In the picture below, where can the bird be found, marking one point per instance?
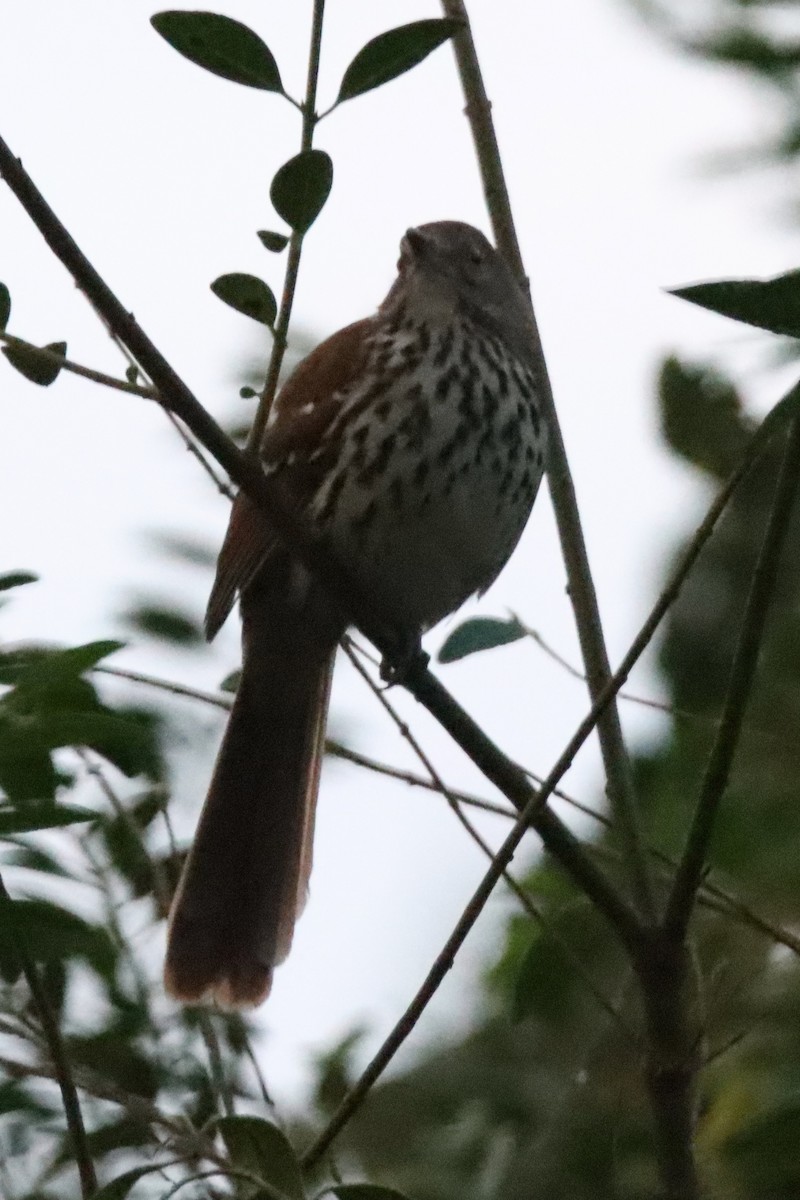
(413, 442)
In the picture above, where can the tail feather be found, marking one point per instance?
(247, 874)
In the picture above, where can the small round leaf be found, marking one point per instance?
(301, 187)
(248, 295)
(392, 53)
(39, 368)
(220, 45)
(5, 306)
(479, 633)
(273, 241)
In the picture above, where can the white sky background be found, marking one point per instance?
(161, 172)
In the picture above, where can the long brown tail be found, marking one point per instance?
(247, 874)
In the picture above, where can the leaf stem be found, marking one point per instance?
(281, 330)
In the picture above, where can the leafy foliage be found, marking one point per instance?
(301, 187)
(393, 53)
(479, 633)
(248, 295)
(220, 45)
(772, 304)
(38, 368)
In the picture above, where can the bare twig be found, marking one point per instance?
(66, 364)
(743, 671)
(455, 805)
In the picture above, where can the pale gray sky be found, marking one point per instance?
(162, 173)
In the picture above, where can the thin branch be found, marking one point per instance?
(281, 329)
(62, 1069)
(191, 445)
(66, 364)
(217, 699)
(619, 775)
(455, 805)
(572, 857)
(743, 672)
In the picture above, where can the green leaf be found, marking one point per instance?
(772, 304)
(273, 241)
(364, 1191)
(301, 187)
(247, 393)
(42, 814)
(51, 932)
(220, 45)
(248, 295)
(166, 624)
(231, 681)
(34, 366)
(263, 1150)
(118, 1189)
(5, 306)
(392, 53)
(13, 579)
(479, 633)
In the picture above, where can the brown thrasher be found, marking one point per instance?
(413, 443)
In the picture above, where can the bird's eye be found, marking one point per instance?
(476, 257)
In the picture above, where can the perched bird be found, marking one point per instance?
(413, 443)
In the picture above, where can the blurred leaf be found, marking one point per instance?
(231, 682)
(220, 45)
(263, 1150)
(772, 304)
(119, 1188)
(193, 550)
(479, 633)
(21, 854)
(166, 624)
(741, 46)
(34, 366)
(42, 815)
(702, 416)
(364, 1191)
(248, 295)
(119, 1059)
(335, 1071)
(273, 241)
(392, 53)
(5, 306)
(46, 665)
(301, 187)
(51, 932)
(13, 579)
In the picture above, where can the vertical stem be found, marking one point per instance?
(281, 329)
(619, 776)
(668, 978)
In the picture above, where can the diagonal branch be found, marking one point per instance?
(740, 683)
